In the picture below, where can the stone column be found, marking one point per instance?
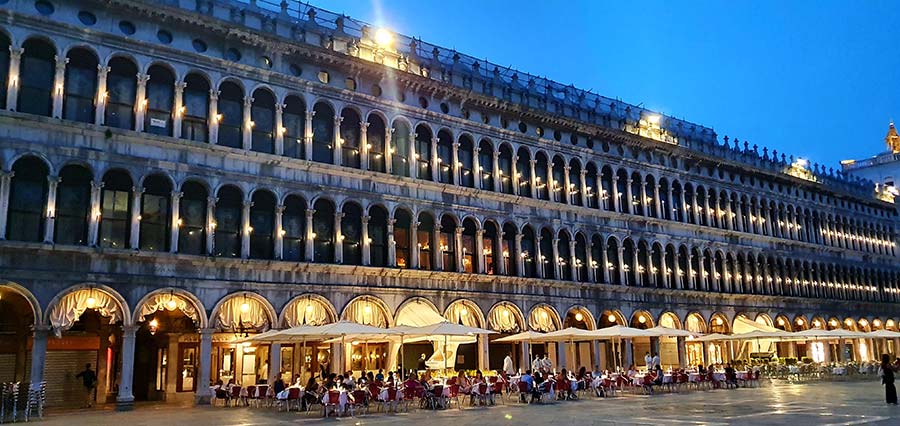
(454, 168)
(204, 367)
(639, 276)
(701, 273)
(366, 244)
(591, 266)
(38, 355)
(584, 192)
(437, 253)
(414, 244)
(178, 107)
(678, 272)
(538, 257)
(483, 356)
(247, 127)
(210, 224)
(279, 235)
(246, 230)
(388, 151)
(459, 250)
(136, 198)
(557, 268)
(604, 265)
(498, 184)
(392, 245)
(50, 210)
(476, 167)
(706, 210)
(435, 164)
(101, 95)
(695, 213)
(657, 203)
(567, 186)
(176, 221)
(59, 85)
(364, 146)
(479, 266)
(534, 190)
(520, 260)
(279, 129)
(308, 133)
(685, 213)
(93, 219)
(572, 268)
(274, 362)
(413, 162)
(338, 238)
(125, 399)
(629, 197)
(628, 353)
(310, 235)
(337, 141)
(621, 262)
(213, 116)
(12, 85)
(140, 101)
(500, 258)
(615, 195)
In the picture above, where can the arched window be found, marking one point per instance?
(523, 168)
(547, 259)
(649, 201)
(558, 189)
(121, 86)
(425, 241)
(81, 86)
(195, 115)
(73, 205)
(423, 152)
(590, 179)
(574, 189)
(606, 189)
(36, 74)
(612, 258)
(231, 115)
(629, 262)
(638, 198)
(701, 210)
(509, 253)
(375, 134)
(596, 263)
(402, 238)
(486, 165)
(350, 138)
(466, 156)
(323, 232)
(448, 243)
(262, 225)
(657, 266)
(529, 249)
(323, 134)
(262, 116)
(293, 223)
(505, 162)
(351, 234)
(489, 247)
(160, 101)
(155, 214)
(564, 261)
(621, 183)
(468, 246)
(27, 200)
(676, 207)
(400, 149)
(192, 214)
(445, 157)
(4, 67)
(115, 210)
(541, 177)
(229, 209)
(294, 122)
(580, 258)
(378, 248)
(683, 262)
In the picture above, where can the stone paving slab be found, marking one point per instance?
(847, 403)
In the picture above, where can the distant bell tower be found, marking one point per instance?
(892, 140)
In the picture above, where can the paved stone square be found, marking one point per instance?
(843, 403)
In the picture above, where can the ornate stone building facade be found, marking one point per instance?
(178, 174)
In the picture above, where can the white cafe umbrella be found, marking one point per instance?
(886, 334)
(661, 331)
(616, 333)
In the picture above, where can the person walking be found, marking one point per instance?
(508, 367)
(887, 379)
(89, 380)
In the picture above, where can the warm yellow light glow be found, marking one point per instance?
(245, 307)
(611, 318)
(154, 323)
(90, 302)
(799, 321)
(653, 119)
(780, 321)
(309, 308)
(463, 312)
(719, 321)
(579, 317)
(876, 323)
(383, 37)
(641, 319)
(171, 304)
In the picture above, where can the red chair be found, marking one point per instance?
(358, 400)
(497, 392)
(523, 391)
(374, 390)
(293, 397)
(235, 396)
(391, 399)
(436, 398)
(333, 400)
(609, 386)
(251, 393)
(480, 394)
(453, 395)
(648, 383)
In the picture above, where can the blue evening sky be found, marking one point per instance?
(817, 79)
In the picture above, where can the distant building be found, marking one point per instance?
(883, 169)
